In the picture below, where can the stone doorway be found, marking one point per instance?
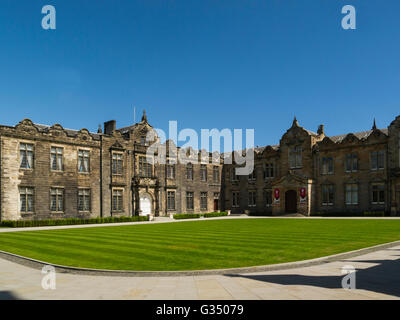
(216, 205)
(291, 201)
(145, 204)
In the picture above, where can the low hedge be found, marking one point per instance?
(71, 221)
(374, 214)
(199, 215)
(260, 214)
(187, 216)
(349, 214)
(215, 214)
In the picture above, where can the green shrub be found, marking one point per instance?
(374, 213)
(215, 214)
(187, 216)
(71, 221)
(260, 214)
(349, 214)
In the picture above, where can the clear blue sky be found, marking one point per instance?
(206, 63)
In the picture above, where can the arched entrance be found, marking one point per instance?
(291, 201)
(145, 204)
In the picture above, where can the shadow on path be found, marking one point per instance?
(8, 295)
(382, 278)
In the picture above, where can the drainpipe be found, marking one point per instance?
(101, 176)
(1, 176)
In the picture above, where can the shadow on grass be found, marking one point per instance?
(382, 278)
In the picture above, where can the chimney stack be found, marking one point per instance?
(109, 127)
(321, 129)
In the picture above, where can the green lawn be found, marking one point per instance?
(200, 244)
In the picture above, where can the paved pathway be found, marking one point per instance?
(169, 220)
(377, 277)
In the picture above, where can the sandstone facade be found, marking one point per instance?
(350, 173)
(53, 173)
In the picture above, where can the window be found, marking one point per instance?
(216, 174)
(378, 194)
(203, 201)
(378, 160)
(56, 159)
(143, 141)
(351, 163)
(189, 201)
(234, 176)
(145, 168)
(327, 194)
(268, 197)
(27, 202)
(203, 172)
(117, 200)
(253, 175)
(170, 170)
(26, 155)
(117, 163)
(83, 161)
(295, 157)
(235, 199)
(84, 200)
(252, 198)
(269, 170)
(327, 165)
(351, 193)
(171, 200)
(57, 200)
(189, 171)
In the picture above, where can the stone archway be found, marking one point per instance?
(145, 204)
(291, 201)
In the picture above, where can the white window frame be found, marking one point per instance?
(323, 189)
(83, 157)
(57, 192)
(354, 190)
(382, 185)
(58, 152)
(27, 152)
(86, 195)
(252, 200)
(26, 192)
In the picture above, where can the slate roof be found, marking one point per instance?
(69, 132)
(359, 135)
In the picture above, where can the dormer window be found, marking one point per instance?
(143, 141)
(295, 157)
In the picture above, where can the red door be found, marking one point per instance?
(216, 207)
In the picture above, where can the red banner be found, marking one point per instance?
(303, 192)
(276, 193)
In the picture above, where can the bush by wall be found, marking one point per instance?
(260, 214)
(349, 214)
(72, 221)
(187, 216)
(215, 214)
(199, 215)
(374, 213)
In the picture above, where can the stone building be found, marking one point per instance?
(54, 173)
(312, 172)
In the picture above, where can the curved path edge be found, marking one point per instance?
(37, 264)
